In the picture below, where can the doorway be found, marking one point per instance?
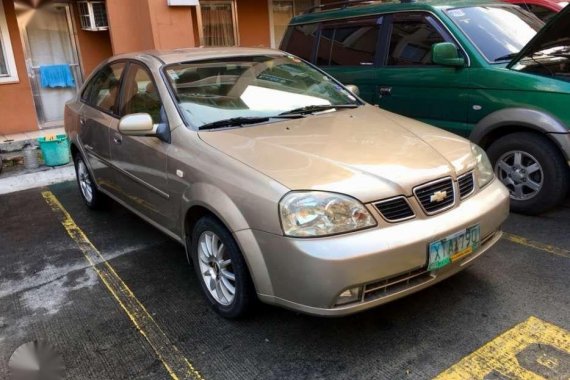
(52, 59)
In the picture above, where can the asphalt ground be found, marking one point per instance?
(136, 310)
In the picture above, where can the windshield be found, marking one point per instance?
(499, 32)
(251, 87)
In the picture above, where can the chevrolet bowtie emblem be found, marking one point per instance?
(438, 196)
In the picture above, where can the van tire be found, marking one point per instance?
(539, 162)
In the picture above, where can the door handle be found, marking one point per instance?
(117, 139)
(82, 122)
(385, 91)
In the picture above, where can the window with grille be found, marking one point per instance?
(93, 15)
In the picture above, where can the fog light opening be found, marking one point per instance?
(349, 296)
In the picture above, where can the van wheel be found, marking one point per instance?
(89, 192)
(533, 170)
(221, 269)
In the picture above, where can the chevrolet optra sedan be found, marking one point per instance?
(282, 184)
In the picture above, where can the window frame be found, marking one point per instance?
(8, 52)
(117, 100)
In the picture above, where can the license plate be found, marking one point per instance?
(453, 247)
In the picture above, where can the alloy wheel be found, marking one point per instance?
(521, 173)
(84, 181)
(216, 268)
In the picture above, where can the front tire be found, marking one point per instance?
(89, 192)
(221, 269)
(533, 170)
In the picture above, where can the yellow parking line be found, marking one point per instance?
(537, 245)
(504, 355)
(171, 358)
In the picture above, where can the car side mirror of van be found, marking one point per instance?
(353, 88)
(137, 124)
(446, 54)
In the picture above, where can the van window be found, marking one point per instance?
(412, 38)
(300, 40)
(349, 44)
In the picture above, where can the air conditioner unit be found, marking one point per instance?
(93, 15)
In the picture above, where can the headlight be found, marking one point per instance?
(316, 213)
(484, 168)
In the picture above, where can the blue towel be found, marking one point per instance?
(56, 76)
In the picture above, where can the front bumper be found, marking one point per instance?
(308, 274)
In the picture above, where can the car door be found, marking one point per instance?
(98, 115)
(409, 83)
(349, 50)
(140, 162)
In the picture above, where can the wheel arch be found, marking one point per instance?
(203, 197)
(510, 120)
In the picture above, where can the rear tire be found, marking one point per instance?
(221, 269)
(533, 170)
(92, 197)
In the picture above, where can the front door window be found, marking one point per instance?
(140, 94)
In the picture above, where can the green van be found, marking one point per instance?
(479, 69)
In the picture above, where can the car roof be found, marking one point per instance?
(385, 7)
(196, 54)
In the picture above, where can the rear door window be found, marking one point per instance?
(102, 90)
(412, 37)
(350, 43)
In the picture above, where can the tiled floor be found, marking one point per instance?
(32, 135)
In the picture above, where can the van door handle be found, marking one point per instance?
(82, 122)
(385, 91)
(117, 139)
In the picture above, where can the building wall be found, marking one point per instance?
(129, 25)
(149, 24)
(93, 47)
(253, 23)
(172, 27)
(17, 111)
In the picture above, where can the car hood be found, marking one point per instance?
(555, 33)
(366, 152)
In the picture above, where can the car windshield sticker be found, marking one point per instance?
(457, 13)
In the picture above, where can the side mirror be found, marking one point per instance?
(354, 89)
(137, 124)
(446, 54)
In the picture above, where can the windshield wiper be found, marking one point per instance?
(506, 57)
(234, 122)
(317, 108)
(240, 121)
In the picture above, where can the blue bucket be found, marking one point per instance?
(55, 151)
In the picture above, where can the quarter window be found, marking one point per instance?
(102, 90)
(411, 40)
(140, 94)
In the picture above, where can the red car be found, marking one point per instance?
(543, 9)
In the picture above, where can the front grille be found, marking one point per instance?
(466, 185)
(436, 196)
(395, 209)
(392, 285)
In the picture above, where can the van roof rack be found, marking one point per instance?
(339, 5)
